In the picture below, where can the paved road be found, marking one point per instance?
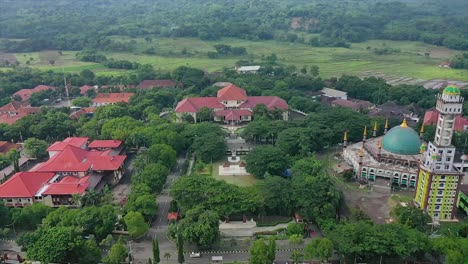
(281, 257)
(143, 250)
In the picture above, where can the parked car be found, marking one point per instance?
(195, 255)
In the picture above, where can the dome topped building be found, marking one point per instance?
(393, 157)
(402, 140)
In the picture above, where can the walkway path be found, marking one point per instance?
(143, 250)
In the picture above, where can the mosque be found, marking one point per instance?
(394, 156)
(401, 157)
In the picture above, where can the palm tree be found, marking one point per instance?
(167, 255)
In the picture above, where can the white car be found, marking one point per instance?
(195, 255)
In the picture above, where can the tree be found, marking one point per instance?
(31, 216)
(295, 229)
(82, 101)
(412, 216)
(210, 146)
(145, 204)
(205, 114)
(136, 224)
(119, 128)
(117, 254)
(167, 255)
(259, 252)
(321, 248)
(265, 159)
(180, 248)
(309, 166)
(36, 148)
(314, 70)
(296, 239)
(201, 227)
(154, 175)
(156, 251)
(47, 250)
(162, 153)
(276, 193)
(271, 250)
(296, 256)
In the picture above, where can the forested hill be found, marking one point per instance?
(31, 25)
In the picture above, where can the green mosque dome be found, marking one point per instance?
(402, 140)
(451, 90)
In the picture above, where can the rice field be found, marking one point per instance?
(172, 53)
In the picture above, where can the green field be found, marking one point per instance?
(410, 62)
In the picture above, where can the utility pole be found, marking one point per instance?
(66, 87)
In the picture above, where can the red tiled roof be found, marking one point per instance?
(6, 146)
(69, 159)
(67, 186)
(147, 84)
(24, 94)
(432, 116)
(105, 144)
(13, 106)
(112, 98)
(271, 102)
(82, 111)
(193, 105)
(74, 159)
(85, 88)
(24, 184)
(73, 141)
(29, 110)
(232, 92)
(344, 103)
(41, 88)
(11, 119)
(234, 114)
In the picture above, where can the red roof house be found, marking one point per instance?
(86, 111)
(432, 116)
(68, 185)
(148, 84)
(230, 105)
(12, 112)
(58, 146)
(24, 94)
(21, 188)
(232, 92)
(85, 88)
(105, 144)
(111, 98)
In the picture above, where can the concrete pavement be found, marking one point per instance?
(143, 250)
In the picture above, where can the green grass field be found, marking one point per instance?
(242, 181)
(410, 62)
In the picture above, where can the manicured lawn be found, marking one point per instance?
(410, 62)
(242, 181)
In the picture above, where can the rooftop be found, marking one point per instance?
(72, 141)
(24, 184)
(333, 92)
(105, 143)
(147, 84)
(110, 98)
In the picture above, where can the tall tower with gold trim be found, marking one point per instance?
(438, 180)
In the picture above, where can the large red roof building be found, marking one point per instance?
(12, 112)
(72, 169)
(231, 105)
(111, 98)
(148, 84)
(24, 94)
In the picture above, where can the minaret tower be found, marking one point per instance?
(438, 180)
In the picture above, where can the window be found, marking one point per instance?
(9, 200)
(441, 184)
(448, 159)
(442, 177)
(441, 151)
(439, 192)
(438, 200)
